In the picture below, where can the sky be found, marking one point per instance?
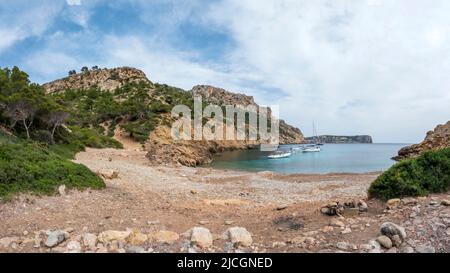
(377, 67)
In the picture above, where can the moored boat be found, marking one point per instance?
(279, 154)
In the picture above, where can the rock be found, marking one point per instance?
(445, 202)
(69, 230)
(73, 247)
(425, 249)
(201, 237)
(343, 245)
(332, 209)
(409, 201)
(137, 238)
(229, 222)
(113, 235)
(434, 203)
(346, 231)
(362, 206)
(89, 240)
(390, 229)
(135, 249)
(434, 140)
(327, 229)
(336, 223)
(56, 237)
(393, 203)
(375, 246)
(278, 244)
(108, 173)
(384, 241)
(62, 190)
(239, 236)
(407, 249)
(282, 207)
(392, 250)
(302, 241)
(396, 240)
(203, 223)
(350, 212)
(7, 241)
(164, 237)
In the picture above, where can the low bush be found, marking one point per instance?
(29, 167)
(428, 173)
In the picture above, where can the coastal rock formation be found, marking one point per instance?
(105, 79)
(341, 139)
(162, 149)
(437, 139)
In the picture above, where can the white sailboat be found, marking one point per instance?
(314, 148)
(279, 154)
(311, 149)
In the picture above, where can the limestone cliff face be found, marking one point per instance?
(162, 149)
(219, 96)
(105, 79)
(437, 139)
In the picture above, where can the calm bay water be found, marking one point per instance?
(355, 158)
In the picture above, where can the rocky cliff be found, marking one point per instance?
(160, 146)
(104, 79)
(341, 139)
(437, 139)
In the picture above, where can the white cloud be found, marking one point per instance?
(23, 20)
(352, 66)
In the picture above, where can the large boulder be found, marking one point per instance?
(201, 237)
(239, 236)
(390, 230)
(56, 237)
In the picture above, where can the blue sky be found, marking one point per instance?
(373, 67)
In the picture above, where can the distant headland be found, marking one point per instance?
(340, 139)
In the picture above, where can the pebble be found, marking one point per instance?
(407, 249)
(135, 249)
(74, 247)
(445, 202)
(343, 245)
(384, 241)
(346, 231)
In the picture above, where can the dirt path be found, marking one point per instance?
(280, 211)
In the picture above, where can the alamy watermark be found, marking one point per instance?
(242, 123)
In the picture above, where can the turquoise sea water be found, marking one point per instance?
(355, 158)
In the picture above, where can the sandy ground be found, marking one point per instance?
(275, 208)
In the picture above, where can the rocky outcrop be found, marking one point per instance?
(160, 146)
(219, 96)
(105, 79)
(341, 139)
(435, 140)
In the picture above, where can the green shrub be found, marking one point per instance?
(428, 173)
(140, 130)
(30, 167)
